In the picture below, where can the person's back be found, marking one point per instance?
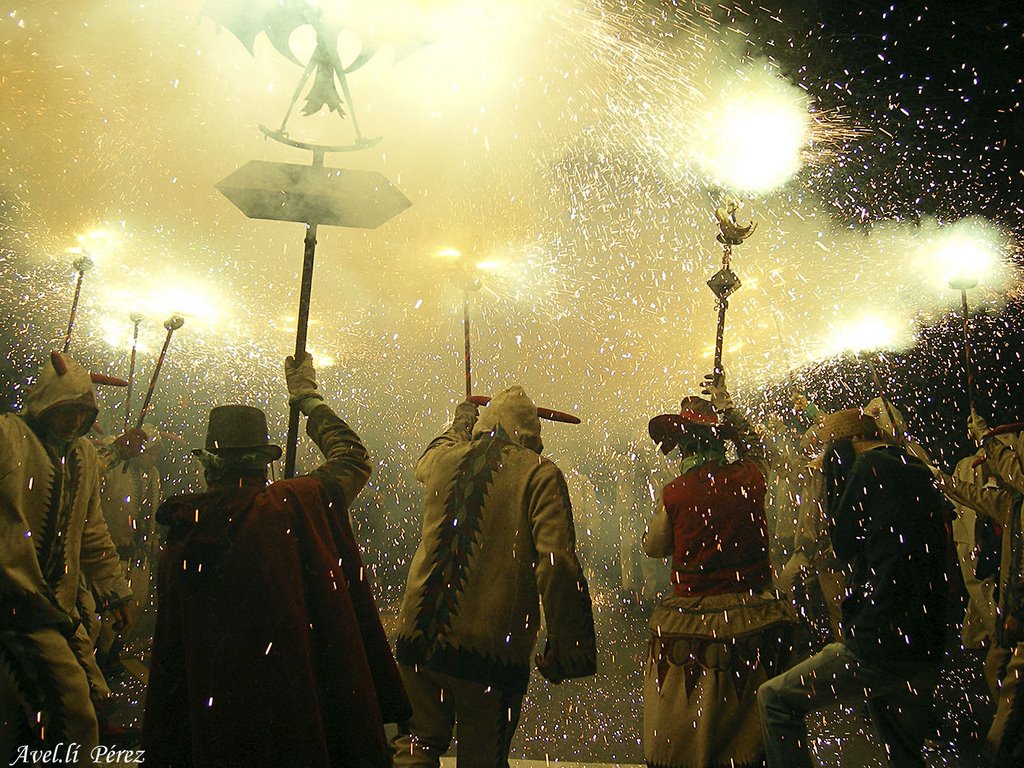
(497, 534)
(889, 525)
(886, 519)
(722, 630)
(268, 648)
(719, 531)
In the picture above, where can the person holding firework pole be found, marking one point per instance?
(724, 630)
(268, 649)
(497, 534)
(1003, 450)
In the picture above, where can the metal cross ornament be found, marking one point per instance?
(725, 282)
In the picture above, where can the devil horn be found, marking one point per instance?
(58, 362)
(102, 378)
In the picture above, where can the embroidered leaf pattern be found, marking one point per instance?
(460, 531)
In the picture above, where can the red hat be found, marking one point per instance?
(696, 416)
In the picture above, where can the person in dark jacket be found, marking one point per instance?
(886, 521)
(268, 649)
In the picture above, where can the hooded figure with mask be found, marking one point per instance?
(54, 535)
(497, 534)
(724, 630)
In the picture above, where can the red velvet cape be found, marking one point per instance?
(268, 649)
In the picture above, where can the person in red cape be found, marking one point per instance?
(269, 650)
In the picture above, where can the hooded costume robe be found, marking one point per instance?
(497, 534)
(52, 533)
(269, 650)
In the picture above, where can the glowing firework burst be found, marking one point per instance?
(160, 296)
(754, 133)
(869, 332)
(963, 255)
(100, 245)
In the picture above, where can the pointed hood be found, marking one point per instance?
(72, 386)
(516, 415)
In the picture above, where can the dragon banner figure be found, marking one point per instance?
(278, 19)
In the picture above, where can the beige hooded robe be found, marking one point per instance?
(497, 533)
(51, 527)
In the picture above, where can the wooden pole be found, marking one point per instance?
(171, 325)
(131, 372)
(82, 265)
(465, 333)
(302, 328)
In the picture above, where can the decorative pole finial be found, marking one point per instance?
(725, 282)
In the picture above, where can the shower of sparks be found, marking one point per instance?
(869, 333)
(968, 253)
(575, 148)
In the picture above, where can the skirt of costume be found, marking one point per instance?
(706, 659)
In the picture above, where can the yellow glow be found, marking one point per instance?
(449, 253)
(98, 244)
(489, 266)
(754, 132)
(963, 254)
(167, 295)
(868, 333)
(118, 334)
(320, 360)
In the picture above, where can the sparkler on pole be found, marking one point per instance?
(868, 356)
(470, 283)
(725, 282)
(862, 338)
(964, 284)
(171, 324)
(136, 319)
(961, 256)
(82, 264)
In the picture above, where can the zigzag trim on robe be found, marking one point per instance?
(458, 538)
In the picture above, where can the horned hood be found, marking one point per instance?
(516, 415)
(74, 387)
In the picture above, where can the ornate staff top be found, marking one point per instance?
(725, 282)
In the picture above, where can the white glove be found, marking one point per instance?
(714, 387)
(977, 426)
(301, 378)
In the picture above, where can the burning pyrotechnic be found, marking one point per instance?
(754, 132)
(197, 300)
(963, 255)
(97, 244)
(869, 333)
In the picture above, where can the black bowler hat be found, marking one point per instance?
(238, 428)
